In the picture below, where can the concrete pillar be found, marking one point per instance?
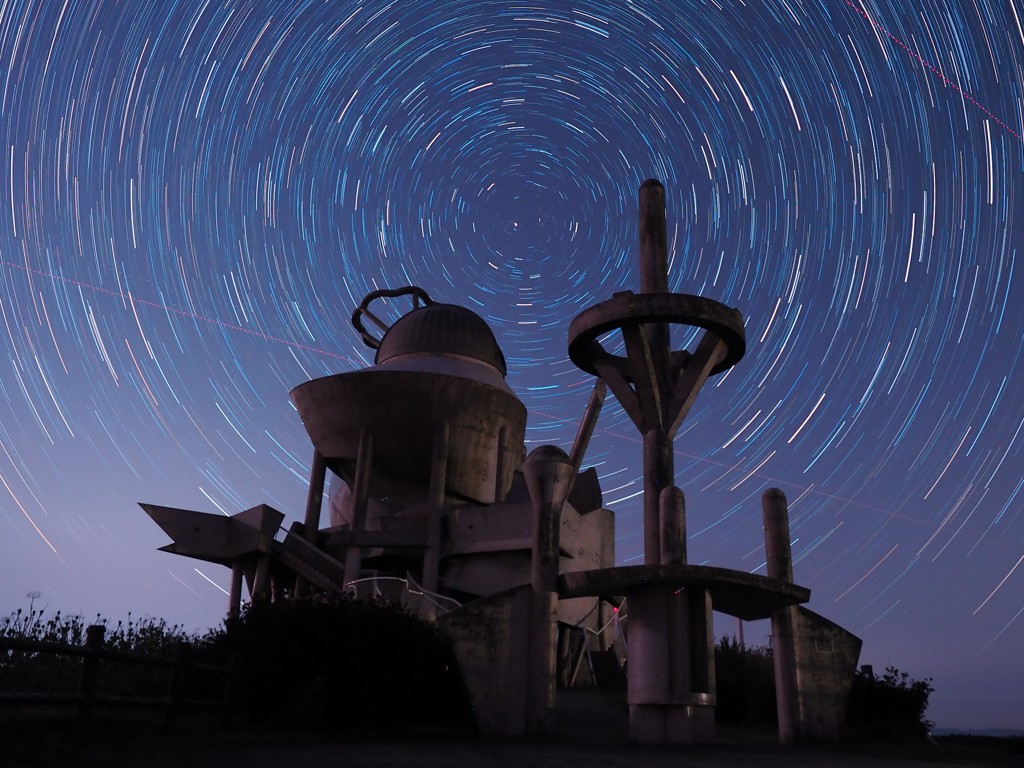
(438, 483)
(654, 275)
(360, 494)
(586, 430)
(235, 595)
(315, 498)
(659, 474)
(780, 566)
(314, 505)
(261, 581)
(548, 472)
(672, 513)
(653, 239)
(647, 679)
(776, 535)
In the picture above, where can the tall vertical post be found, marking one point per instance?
(670, 684)
(659, 470)
(779, 559)
(548, 472)
(90, 672)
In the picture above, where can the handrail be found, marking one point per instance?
(404, 592)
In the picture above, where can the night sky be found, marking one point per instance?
(195, 196)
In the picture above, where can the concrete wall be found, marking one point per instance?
(826, 660)
(490, 640)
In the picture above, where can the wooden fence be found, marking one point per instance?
(93, 653)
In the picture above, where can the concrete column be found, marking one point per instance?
(648, 676)
(673, 552)
(659, 474)
(261, 581)
(235, 595)
(653, 239)
(672, 512)
(438, 484)
(654, 275)
(548, 472)
(776, 535)
(360, 494)
(314, 504)
(586, 430)
(315, 498)
(780, 566)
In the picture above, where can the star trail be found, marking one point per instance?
(195, 196)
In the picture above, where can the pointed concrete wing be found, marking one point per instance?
(215, 538)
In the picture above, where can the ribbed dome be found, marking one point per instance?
(439, 329)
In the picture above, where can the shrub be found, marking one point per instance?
(745, 682)
(22, 671)
(345, 663)
(888, 707)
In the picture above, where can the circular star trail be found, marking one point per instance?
(196, 195)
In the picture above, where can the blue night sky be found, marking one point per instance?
(195, 195)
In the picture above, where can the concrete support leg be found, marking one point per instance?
(701, 637)
(671, 681)
(314, 505)
(647, 681)
(780, 566)
(235, 595)
(361, 494)
(261, 581)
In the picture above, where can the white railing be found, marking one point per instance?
(404, 592)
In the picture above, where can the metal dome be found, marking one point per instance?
(442, 329)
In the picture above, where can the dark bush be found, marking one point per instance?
(22, 671)
(890, 707)
(345, 663)
(745, 680)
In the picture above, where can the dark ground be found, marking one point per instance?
(586, 738)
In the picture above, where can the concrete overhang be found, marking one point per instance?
(216, 538)
(747, 596)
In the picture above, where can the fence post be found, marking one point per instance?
(90, 672)
(175, 685)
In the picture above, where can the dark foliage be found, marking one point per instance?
(147, 637)
(345, 663)
(745, 679)
(888, 707)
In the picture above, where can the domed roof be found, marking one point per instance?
(442, 329)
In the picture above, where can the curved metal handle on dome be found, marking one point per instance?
(417, 293)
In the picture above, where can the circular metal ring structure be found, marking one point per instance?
(627, 309)
(417, 293)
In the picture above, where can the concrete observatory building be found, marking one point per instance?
(435, 503)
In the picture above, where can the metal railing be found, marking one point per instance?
(404, 592)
